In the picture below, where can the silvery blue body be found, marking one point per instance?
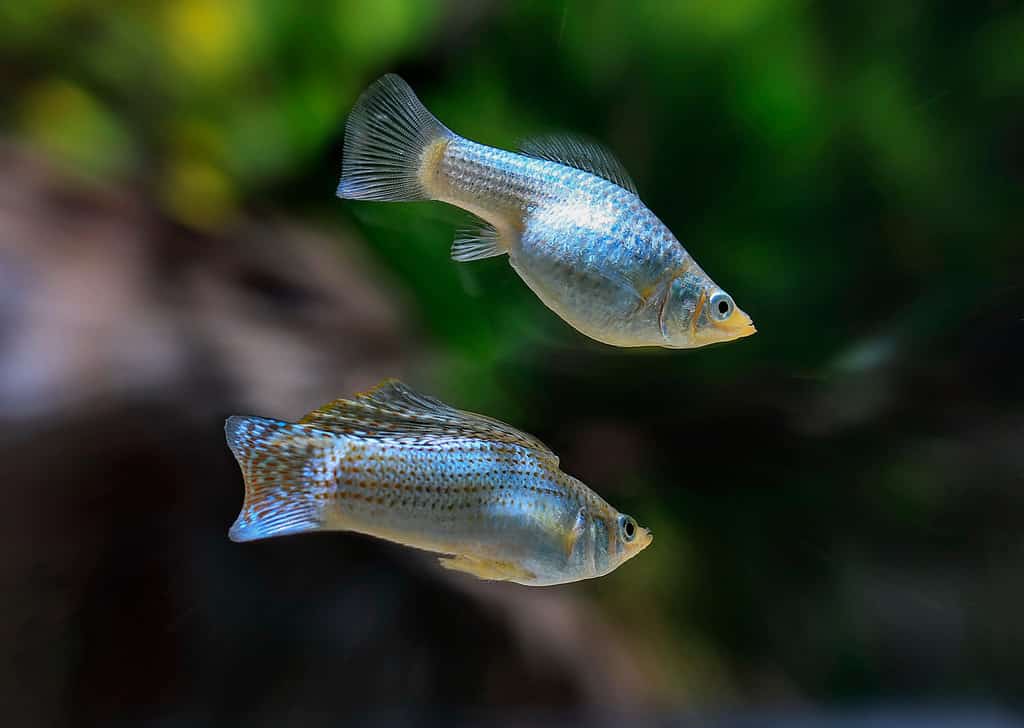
(564, 211)
(588, 248)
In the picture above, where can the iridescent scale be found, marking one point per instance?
(490, 500)
(590, 249)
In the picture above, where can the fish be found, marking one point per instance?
(563, 209)
(405, 467)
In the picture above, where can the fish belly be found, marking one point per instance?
(602, 278)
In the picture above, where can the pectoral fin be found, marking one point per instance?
(488, 569)
(577, 530)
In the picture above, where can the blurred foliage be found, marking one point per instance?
(850, 172)
(806, 153)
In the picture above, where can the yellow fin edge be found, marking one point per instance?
(487, 569)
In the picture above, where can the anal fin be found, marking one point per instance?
(487, 569)
(477, 243)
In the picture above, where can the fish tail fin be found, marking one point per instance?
(392, 144)
(280, 499)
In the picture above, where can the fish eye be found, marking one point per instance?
(628, 527)
(721, 306)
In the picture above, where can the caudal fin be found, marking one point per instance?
(391, 143)
(279, 498)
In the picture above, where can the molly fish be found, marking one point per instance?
(405, 467)
(564, 211)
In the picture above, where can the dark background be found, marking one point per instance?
(838, 500)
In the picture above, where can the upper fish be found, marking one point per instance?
(405, 467)
(565, 212)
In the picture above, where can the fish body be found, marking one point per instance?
(565, 212)
(400, 466)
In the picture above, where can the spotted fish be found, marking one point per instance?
(405, 467)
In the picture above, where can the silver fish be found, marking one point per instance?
(408, 468)
(564, 211)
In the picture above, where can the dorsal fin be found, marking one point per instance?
(585, 154)
(393, 410)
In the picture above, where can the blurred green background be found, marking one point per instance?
(838, 500)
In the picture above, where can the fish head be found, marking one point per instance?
(590, 542)
(697, 312)
(625, 539)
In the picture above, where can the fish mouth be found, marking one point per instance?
(739, 325)
(748, 330)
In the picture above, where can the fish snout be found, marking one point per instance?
(739, 324)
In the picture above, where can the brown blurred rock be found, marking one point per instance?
(103, 299)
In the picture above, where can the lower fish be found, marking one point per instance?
(408, 468)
